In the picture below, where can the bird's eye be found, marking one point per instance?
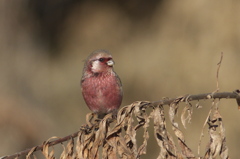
(101, 59)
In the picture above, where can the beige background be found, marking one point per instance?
(164, 49)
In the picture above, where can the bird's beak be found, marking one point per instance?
(110, 63)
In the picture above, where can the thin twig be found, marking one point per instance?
(40, 147)
(199, 97)
(219, 65)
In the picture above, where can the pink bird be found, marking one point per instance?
(101, 86)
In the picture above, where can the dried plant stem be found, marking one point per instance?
(40, 147)
(219, 65)
(235, 94)
(87, 129)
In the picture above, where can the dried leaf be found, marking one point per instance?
(164, 140)
(186, 151)
(31, 153)
(186, 114)
(45, 149)
(70, 147)
(143, 148)
(217, 145)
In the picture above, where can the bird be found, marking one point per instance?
(100, 85)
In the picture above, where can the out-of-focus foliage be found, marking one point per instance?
(161, 49)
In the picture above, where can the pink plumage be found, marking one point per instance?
(101, 86)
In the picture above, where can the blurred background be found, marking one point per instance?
(161, 49)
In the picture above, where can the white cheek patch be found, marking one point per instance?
(95, 66)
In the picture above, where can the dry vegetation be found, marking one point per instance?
(115, 137)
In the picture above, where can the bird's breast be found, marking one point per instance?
(102, 93)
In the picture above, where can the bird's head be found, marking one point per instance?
(99, 61)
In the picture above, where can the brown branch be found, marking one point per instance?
(234, 95)
(40, 147)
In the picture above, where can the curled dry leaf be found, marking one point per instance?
(186, 114)
(166, 145)
(45, 149)
(217, 144)
(30, 153)
(186, 151)
(68, 150)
